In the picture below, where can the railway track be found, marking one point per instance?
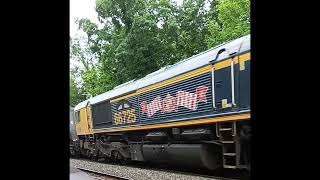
(178, 174)
(101, 175)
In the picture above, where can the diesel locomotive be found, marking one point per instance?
(195, 113)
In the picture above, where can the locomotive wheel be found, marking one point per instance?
(94, 158)
(118, 158)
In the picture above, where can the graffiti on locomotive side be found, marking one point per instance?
(127, 116)
(171, 103)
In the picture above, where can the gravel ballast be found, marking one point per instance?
(132, 173)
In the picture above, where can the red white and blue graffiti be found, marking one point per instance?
(172, 103)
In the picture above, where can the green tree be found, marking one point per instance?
(233, 21)
(75, 92)
(80, 51)
(141, 36)
(193, 28)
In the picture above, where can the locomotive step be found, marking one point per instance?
(225, 129)
(229, 154)
(230, 166)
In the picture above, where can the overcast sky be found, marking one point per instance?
(81, 9)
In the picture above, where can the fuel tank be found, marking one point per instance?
(207, 156)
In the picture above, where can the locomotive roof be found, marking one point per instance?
(168, 72)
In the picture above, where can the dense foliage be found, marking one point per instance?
(141, 36)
